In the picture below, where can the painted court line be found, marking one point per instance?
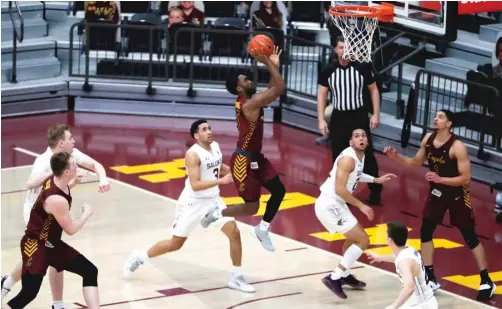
(178, 291)
(296, 242)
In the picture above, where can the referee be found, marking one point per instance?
(346, 80)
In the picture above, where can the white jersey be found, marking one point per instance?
(41, 166)
(328, 187)
(422, 292)
(210, 164)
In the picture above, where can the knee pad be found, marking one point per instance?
(83, 267)
(29, 291)
(90, 277)
(276, 188)
(470, 237)
(427, 230)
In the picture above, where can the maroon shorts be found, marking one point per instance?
(250, 174)
(459, 207)
(39, 255)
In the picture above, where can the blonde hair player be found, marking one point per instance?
(332, 211)
(59, 139)
(416, 293)
(204, 165)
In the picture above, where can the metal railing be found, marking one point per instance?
(16, 36)
(473, 123)
(190, 54)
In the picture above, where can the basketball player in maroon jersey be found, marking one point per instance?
(250, 169)
(449, 177)
(41, 245)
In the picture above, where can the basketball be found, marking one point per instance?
(261, 43)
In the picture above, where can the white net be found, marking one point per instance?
(358, 34)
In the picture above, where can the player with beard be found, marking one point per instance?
(332, 211)
(250, 169)
(449, 177)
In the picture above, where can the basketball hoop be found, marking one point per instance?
(357, 24)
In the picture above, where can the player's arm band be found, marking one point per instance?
(366, 178)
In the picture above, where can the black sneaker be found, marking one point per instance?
(353, 282)
(486, 291)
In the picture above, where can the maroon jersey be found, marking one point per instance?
(250, 133)
(43, 226)
(441, 163)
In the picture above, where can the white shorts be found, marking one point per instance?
(189, 212)
(26, 212)
(334, 215)
(431, 303)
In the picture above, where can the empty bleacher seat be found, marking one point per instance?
(139, 39)
(182, 43)
(225, 44)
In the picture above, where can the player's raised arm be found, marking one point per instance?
(192, 164)
(415, 162)
(59, 208)
(93, 165)
(277, 85)
(344, 167)
(36, 182)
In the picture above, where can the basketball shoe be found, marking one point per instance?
(238, 282)
(132, 264)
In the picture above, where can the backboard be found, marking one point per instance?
(431, 19)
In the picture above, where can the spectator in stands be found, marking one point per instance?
(108, 10)
(269, 15)
(497, 69)
(193, 12)
(176, 16)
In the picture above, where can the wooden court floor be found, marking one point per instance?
(129, 217)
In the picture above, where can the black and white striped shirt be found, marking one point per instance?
(347, 84)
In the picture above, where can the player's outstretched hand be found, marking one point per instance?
(259, 56)
(225, 180)
(87, 209)
(368, 211)
(390, 152)
(275, 57)
(384, 178)
(373, 257)
(104, 186)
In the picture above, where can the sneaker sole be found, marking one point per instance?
(237, 288)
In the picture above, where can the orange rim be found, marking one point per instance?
(384, 12)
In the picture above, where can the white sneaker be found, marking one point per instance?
(263, 237)
(133, 263)
(238, 282)
(434, 285)
(5, 291)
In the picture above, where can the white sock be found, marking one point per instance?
(337, 274)
(143, 256)
(58, 304)
(236, 270)
(351, 256)
(9, 283)
(264, 226)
